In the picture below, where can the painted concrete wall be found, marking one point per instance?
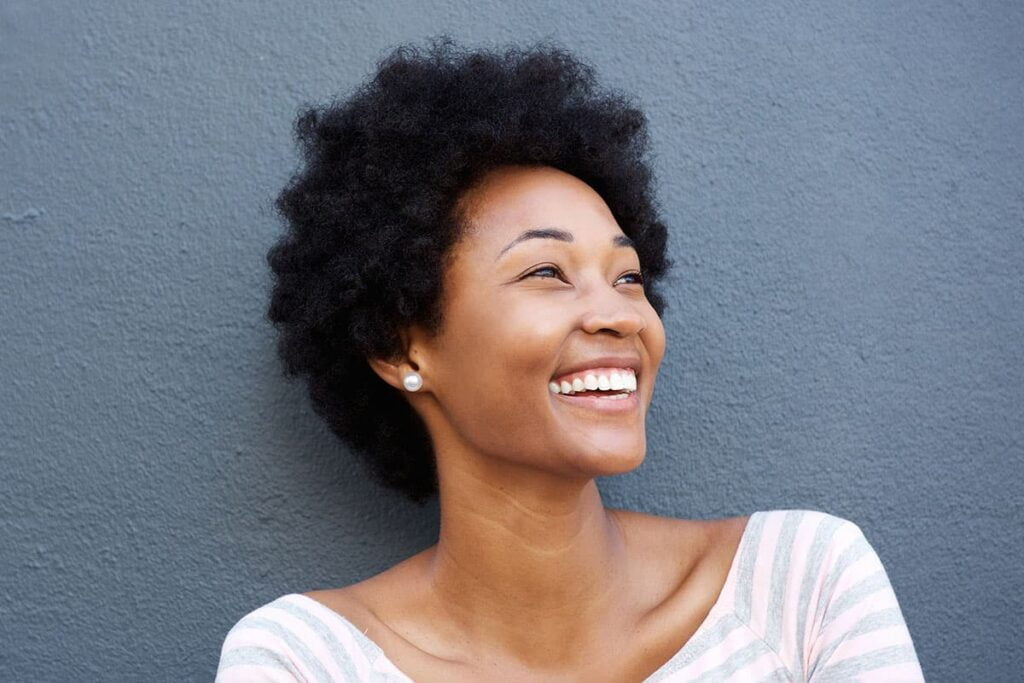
(846, 188)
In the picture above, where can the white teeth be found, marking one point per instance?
(614, 381)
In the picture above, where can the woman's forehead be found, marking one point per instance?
(511, 200)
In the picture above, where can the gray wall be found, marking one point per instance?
(845, 186)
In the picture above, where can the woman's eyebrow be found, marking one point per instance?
(557, 234)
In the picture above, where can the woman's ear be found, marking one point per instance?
(389, 371)
(393, 370)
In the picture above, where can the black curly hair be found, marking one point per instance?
(372, 215)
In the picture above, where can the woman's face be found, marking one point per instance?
(541, 291)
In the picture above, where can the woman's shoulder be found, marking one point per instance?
(740, 544)
(297, 638)
(791, 555)
(814, 591)
(808, 529)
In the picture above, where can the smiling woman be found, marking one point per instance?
(469, 287)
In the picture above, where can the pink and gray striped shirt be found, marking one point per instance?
(806, 599)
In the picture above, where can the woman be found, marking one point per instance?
(469, 286)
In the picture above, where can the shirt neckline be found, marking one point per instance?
(723, 603)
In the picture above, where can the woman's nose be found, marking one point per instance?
(611, 311)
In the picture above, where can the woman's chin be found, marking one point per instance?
(611, 456)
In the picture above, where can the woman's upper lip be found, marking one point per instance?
(632, 362)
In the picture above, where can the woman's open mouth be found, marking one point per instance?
(604, 389)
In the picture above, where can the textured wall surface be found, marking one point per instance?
(845, 185)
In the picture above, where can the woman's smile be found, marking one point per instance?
(606, 386)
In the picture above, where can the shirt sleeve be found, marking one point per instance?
(254, 651)
(858, 631)
(296, 639)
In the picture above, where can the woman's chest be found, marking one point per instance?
(631, 654)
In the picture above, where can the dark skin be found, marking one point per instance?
(532, 577)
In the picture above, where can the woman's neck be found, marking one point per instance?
(528, 565)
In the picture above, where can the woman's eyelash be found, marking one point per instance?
(553, 269)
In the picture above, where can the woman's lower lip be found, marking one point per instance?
(604, 405)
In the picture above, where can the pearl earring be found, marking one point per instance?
(412, 381)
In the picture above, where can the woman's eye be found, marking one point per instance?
(554, 272)
(638, 278)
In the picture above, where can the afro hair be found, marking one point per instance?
(371, 216)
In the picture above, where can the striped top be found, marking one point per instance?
(806, 599)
